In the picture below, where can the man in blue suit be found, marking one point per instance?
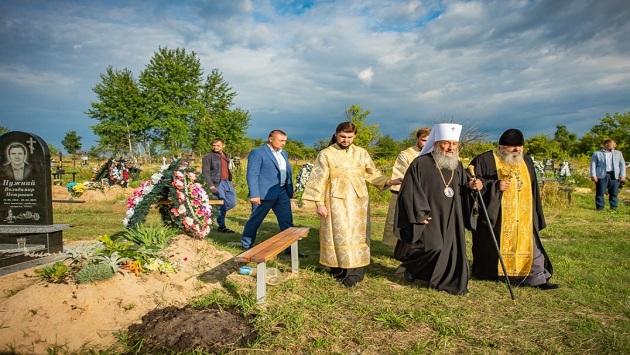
(607, 169)
(270, 183)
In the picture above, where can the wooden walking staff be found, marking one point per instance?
(471, 170)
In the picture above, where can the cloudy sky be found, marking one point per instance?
(297, 65)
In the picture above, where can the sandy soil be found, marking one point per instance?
(36, 315)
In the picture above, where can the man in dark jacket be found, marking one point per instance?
(215, 168)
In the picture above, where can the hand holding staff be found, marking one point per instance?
(471, 170)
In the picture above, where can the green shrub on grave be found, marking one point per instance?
(94, 272)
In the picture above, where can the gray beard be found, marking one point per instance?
(509, 159)
(442, 161)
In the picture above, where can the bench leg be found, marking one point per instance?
(261, 282)
(295, 260)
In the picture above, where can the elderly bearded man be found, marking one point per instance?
(429, 218)
(512, 198)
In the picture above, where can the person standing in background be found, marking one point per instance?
(215, 168)
(608, 168)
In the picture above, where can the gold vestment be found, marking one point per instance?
(401, 165)
(338, 182)
(516, 239)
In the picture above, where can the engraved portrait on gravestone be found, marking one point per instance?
(17, 166)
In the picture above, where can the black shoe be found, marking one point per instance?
(300, 255)
(409, 276)
(225, 230)
(548, 286)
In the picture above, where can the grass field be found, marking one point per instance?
(384, 314)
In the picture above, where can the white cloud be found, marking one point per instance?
(366, 76)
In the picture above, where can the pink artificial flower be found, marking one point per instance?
(188, 222)
(178, 184)
(180, 196)
(192, 176)
(181, 209)
(175, 212)
(178, 174)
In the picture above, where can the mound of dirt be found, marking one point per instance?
(107, 194)
(36, 315)
(213, 330)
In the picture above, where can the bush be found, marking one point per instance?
(94, 272)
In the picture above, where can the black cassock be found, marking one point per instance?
(485, 259)
(434, 252)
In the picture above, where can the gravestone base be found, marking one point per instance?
(40, 241)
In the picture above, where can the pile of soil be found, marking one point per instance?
(176, 329)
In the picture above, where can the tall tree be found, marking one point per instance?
(387, 147)
(367, 135)
(565, 139)
(615, 127)
(219, 119)
(541, 147)
(171, 83)
(72, 142)
(119, 110)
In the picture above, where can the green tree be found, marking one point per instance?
(565, 139)
(297, 150)
(386, 147)
(71, 142)
(615, 127)
(54, 152)
(367, 135)
(219, 120)
(171, 84)
(3, 130)
(119, 111)
(541, 147)
(587, 144)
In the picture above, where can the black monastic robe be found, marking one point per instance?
(434, 252)
(485, 264)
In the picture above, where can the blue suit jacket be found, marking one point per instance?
(263, 174)
(598, 164)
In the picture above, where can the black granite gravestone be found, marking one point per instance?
(26, 218)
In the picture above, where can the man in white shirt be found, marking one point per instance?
(608, 168)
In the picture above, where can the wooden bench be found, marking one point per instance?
(269, 250)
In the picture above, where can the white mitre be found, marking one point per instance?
(442, 132)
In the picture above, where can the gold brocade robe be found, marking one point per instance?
(338, 181)
(401, 165)
(517, 229)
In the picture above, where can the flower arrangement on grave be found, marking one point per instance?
(76, 189)
(94, 185)
(191, 205)
(187, 206)
(117, 172)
